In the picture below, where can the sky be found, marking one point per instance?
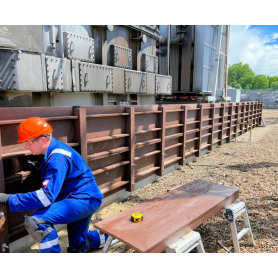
(256, 45)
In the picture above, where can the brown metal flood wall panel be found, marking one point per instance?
(17, 171)
(170, 216)
(121, 144)
(107, 144)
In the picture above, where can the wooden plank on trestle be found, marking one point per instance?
(80, 131)
(130, 129)
(170, 216)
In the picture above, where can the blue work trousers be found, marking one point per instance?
(76, 213)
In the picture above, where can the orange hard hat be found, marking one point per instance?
(33, 127)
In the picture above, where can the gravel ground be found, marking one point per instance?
(251, 167)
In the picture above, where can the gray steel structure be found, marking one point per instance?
(103, 60)
(192, 58)
(120, 64)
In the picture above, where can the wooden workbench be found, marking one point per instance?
(170, 216)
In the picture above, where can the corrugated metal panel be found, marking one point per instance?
(222, 67)
(205, 45)
(174, 59)
(198, 57)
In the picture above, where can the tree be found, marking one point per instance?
(271, 80)
(274, 85)
(241, 76)
(260, 82)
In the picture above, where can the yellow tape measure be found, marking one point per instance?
(136, 217)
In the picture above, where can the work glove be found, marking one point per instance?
(4, 198)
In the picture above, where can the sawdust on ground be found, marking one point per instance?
(251, 167)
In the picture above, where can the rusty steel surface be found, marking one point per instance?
(169, 216)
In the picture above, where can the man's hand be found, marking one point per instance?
(4, 198)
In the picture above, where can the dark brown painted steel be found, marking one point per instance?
(130, 128)
(80, 133)
(106, 130)
(248, 115)
(222, 125)
(183, 130)
(243, 118)
(230, 124)
(199, 142)
(161, 156)
(212, 128)
(169, 216)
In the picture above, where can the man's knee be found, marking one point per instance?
(32, 227)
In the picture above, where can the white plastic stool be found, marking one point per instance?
(231, 213)
(187, 243)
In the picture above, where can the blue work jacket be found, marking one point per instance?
(64, 174)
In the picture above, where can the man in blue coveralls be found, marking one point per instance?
(69, 194)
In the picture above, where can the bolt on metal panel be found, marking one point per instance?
(58, 72)
(149, 63)
(163, 84)
(79, 47)
(95, 78)
(122, 56)
(135, 82)
(13, 67)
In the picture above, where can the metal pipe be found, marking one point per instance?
(61, 41)
(164, 41)
(161, 52)
(178, 39)
(192, 57)
(168, 49)
(52, 38)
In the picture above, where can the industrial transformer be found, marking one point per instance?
(65, 65)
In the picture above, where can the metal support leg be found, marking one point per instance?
(247, 225)
(187, 243)
(232, 212)
(234, 236)
(109, 242)
(200, 247)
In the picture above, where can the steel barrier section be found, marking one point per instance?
(121, 144)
